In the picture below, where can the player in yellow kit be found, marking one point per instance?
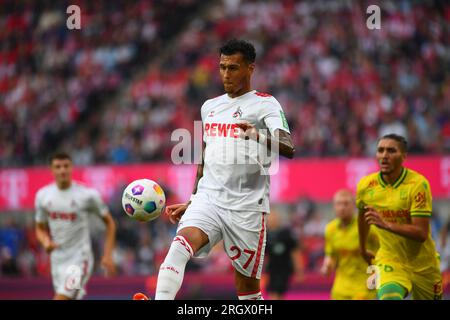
(342, 252)
(397, 202)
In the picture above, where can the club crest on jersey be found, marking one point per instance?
(372, 184)
(211, 114)
(421, 200)
(238, 113)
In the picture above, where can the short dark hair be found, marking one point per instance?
(239, 46)
(400, 139)
(59, 155)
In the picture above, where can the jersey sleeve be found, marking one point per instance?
(96, 203)
(273, 116)
(328, 242)
(421, 200)
(41, 215)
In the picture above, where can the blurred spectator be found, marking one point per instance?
(146, 257)
(313, 240)
(8, 264)
(341, 85)
(11, 238)
(53, 80)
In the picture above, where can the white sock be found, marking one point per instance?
(250, 296)
(171, 272)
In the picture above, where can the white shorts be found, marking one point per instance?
(71, 274)
(243, 233)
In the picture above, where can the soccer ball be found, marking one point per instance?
(143, 200)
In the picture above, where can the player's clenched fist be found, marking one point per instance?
(248, 131)
(176, 211)
(373, 217)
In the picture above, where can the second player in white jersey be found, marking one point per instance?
(62, 227)
(67, 214)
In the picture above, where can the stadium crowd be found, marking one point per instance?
(51, 77)
(341, 84)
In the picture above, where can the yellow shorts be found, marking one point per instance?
(352, 289)
(424, 285)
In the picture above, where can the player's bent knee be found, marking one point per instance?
(181, 240)
(171, 271)
(194, 237)
(391, 291)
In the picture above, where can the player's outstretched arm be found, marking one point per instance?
(328, 265)
(110, 240)
(329, 262)
(44, 238)
(199, 170)
(418, 229)
(176, 211)
(285, 144)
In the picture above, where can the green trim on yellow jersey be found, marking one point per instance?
(396, 183)
(380, 180)
(401, 178)
(421, 213)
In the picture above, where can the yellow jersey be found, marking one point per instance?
(409, 196)
(342, 244)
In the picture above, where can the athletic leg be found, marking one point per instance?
(394, 280)
(170, 277)
(392, 291)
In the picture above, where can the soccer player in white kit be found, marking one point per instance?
(230, 200)
(62, 210)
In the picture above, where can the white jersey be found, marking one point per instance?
(228, 181)
(66, 212)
